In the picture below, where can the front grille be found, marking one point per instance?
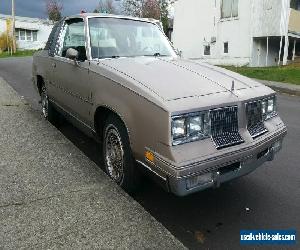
(254, 115)
(224, 127)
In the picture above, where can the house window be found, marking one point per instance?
(226, 48)
(295, 4)
(229, 8)
(26, 35)
(34, 35)
(207, 50)
(22, 35)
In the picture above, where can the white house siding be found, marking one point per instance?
(41, 26)
(269, 18)
(191, 26)
(259, 23)
(196, 22)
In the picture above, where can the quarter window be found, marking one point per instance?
(229, 8)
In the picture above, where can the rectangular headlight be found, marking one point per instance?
(269, 108)
(190, 127)
(179, 128)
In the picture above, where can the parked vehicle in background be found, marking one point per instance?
(190, 125)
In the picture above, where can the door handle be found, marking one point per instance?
(54, 65)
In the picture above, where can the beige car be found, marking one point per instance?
(190, 125)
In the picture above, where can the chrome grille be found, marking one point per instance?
(224, 127)
(255, 124)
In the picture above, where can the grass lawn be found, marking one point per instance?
(288, 74)
(19, 53)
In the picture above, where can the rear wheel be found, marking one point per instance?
(118, 160)
(48, 111)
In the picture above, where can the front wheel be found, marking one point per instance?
(117, 155)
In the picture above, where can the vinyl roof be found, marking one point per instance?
(88, 15)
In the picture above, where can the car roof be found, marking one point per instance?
(90, 15)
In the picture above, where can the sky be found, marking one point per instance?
(36, 8)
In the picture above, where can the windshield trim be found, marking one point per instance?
(88, 34)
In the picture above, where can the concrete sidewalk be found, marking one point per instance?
(288, 88)
(53, 196)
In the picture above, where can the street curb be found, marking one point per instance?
(286, 88)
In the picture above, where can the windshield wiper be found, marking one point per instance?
(112, 57)
(157, 54)
(104, 57)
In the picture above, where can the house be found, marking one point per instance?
(31, 33)
(238, 32)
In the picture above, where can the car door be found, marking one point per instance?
(70, 77)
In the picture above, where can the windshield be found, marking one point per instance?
(113, 37)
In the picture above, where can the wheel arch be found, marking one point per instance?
(102, 112)
(39, 83)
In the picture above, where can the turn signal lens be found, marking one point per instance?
(149, 156)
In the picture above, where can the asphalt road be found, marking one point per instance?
(269, 198)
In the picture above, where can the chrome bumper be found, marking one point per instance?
(180, 186)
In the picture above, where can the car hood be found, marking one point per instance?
(173, 79)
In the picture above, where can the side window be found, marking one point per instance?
(74, 37)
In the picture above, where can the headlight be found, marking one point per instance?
(179, 128)
(195, 125)
(269, 107)
(190, 128)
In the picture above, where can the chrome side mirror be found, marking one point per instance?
(72, 54)
(179, 53)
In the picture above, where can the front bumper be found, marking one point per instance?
(181, 186)
(189, 179)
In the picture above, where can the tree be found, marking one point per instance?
(151, 9)
(5, 41)
(105, 6)
(133, 7)
(164, 13)
(54, 9)
(157, 9)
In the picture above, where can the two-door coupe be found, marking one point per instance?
(191, 125)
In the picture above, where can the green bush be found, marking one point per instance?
(5, 41)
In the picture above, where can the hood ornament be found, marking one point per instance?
(232, 86)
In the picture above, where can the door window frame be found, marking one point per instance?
(61, 37)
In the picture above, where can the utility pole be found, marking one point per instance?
(14, 47)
